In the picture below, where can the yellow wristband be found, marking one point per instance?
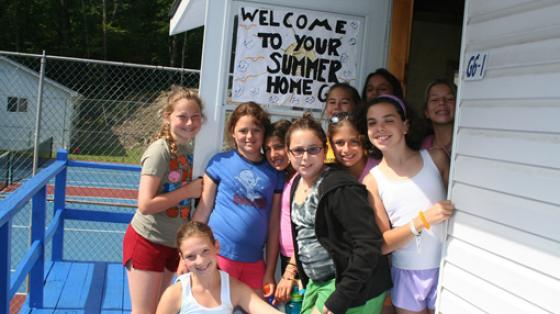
(424, 220)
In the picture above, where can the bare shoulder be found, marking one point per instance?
(369, 182)
(175, 290)
(440, 158)
(171, 299)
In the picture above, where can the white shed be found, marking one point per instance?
(502, 251)
(503, 245)
(217, 56)
(18, 98)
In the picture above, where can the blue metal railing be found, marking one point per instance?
(33, 261)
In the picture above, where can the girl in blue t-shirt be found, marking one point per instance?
(240, 199)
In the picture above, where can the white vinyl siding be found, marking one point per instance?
(502, 252)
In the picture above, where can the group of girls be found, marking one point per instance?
(332, 232)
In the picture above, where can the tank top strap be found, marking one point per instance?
(225, 294)
(377, 174)
(428, 161)
(185, 281)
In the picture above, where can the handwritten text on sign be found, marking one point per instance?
(291, 58)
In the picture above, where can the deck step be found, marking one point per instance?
(84, 287)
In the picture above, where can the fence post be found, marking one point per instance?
(59, 205)
(5, 257)
(36, 277)
(37, 133)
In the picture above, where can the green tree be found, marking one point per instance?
(119, 30)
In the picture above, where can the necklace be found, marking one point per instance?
(306, 188)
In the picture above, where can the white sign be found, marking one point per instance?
(476, 66)
(290, 58)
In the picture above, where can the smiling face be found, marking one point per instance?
(248, 137)
(185, 120)
(377, 85)
(339, 100)
(347, 146)
(386, 129)
(308, 165)
(440, 105)
(199, 254)
(276, 153)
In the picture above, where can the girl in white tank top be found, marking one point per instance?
(408, 194)
(205, 289)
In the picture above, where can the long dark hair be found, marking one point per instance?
(389, 77)
(416, 129)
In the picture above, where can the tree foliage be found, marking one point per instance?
(118, 30)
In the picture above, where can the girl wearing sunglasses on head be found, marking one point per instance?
(349, 146)
(337, 243)
(341, 97)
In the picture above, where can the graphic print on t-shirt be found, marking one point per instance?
(180, 173)
(248, 190)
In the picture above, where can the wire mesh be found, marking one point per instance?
(98, 111)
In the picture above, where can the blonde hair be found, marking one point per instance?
(166, 101)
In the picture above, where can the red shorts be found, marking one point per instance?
(250, 273)
(145, 255)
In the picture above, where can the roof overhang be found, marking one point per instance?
(189, 14)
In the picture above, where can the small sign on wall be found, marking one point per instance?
(476, 65)
(291, 58)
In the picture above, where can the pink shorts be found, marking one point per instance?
(250, 273)
(145, 255)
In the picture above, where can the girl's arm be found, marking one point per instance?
(170, 301)
(381, 217)
(245, 297)
(206, 203)
(149, 202)
(272, 245)
(284, 288)
(397, 237)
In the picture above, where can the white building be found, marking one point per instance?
(503, 245)
(18, 107)
(502, 251)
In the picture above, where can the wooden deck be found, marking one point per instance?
(83, 287)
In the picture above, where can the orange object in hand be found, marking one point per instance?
(267, 290)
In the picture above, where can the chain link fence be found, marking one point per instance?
(98, 111)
